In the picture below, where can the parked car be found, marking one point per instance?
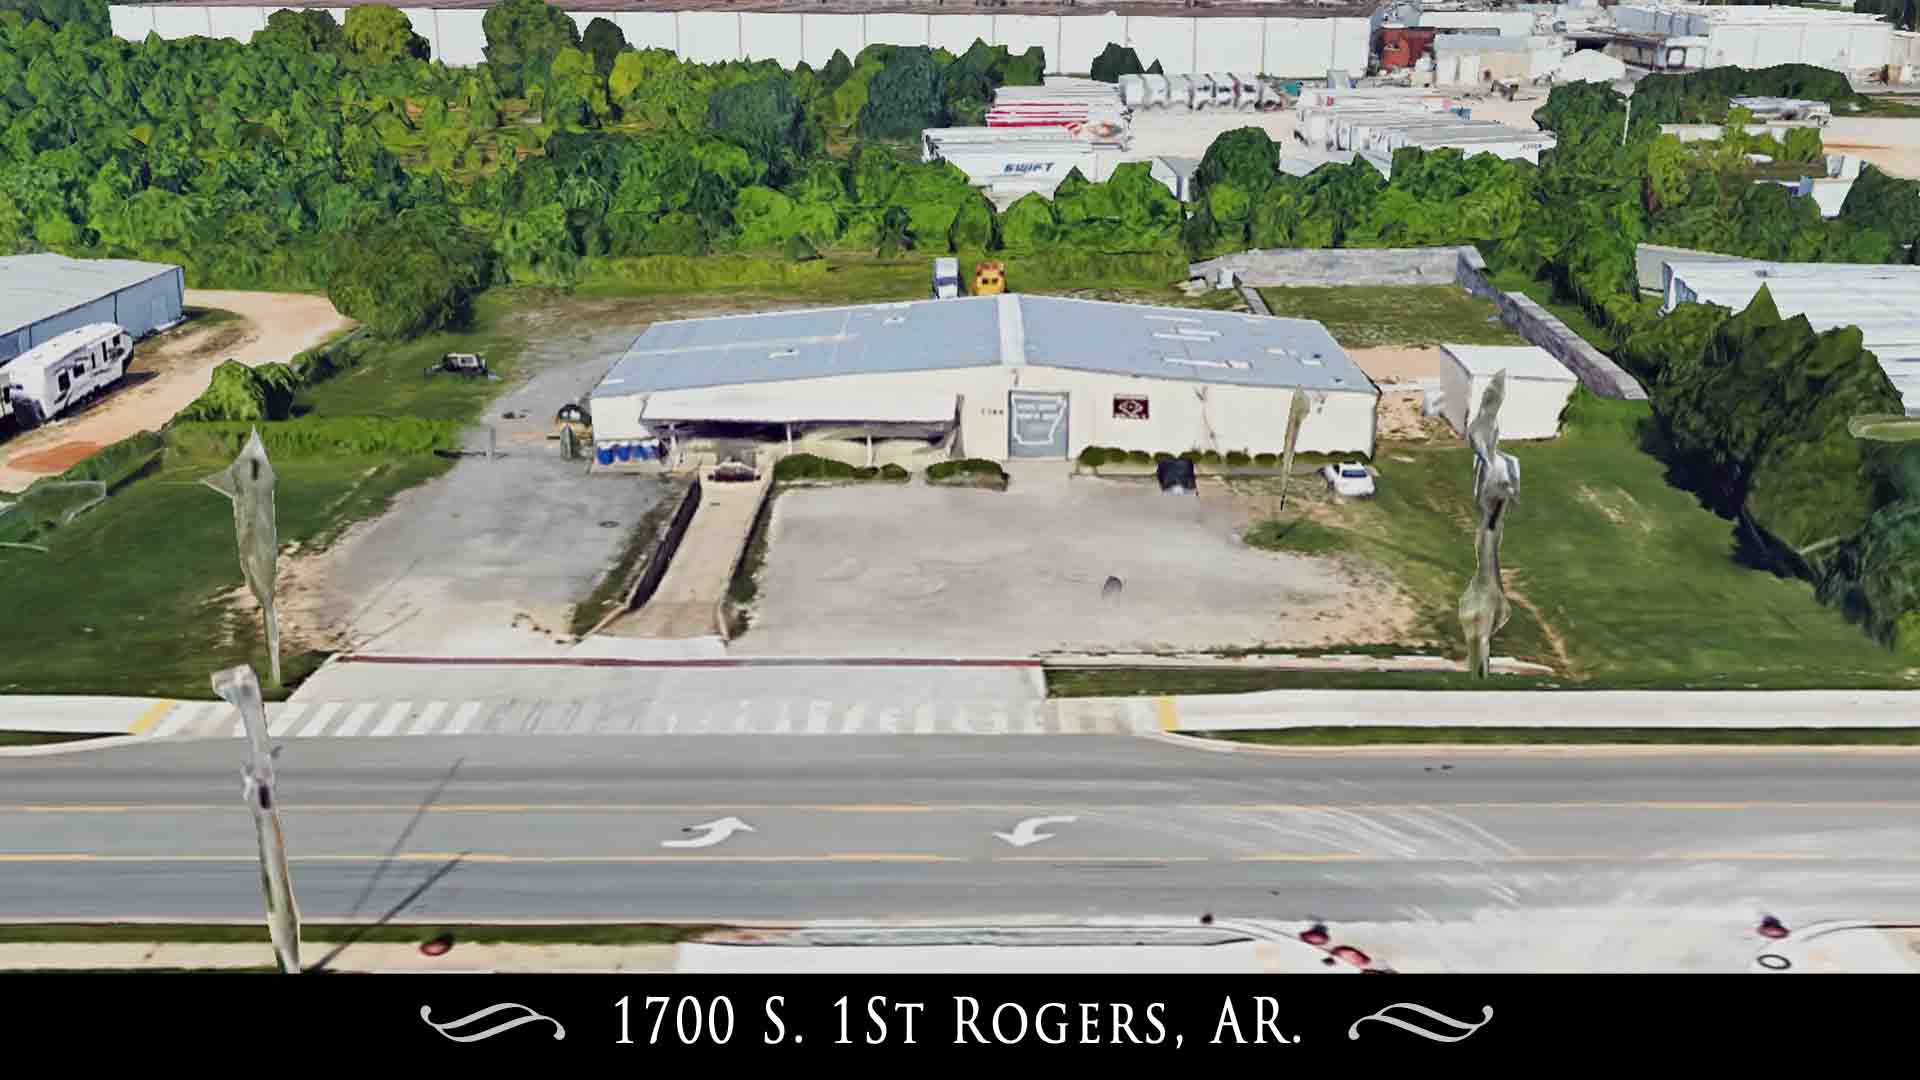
(1349, 478)
(461, 364)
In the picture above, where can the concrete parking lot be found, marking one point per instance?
(930, 571)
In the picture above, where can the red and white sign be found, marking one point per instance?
(1129, 408)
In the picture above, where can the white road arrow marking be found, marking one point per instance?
(716, 831)
(1028, 831)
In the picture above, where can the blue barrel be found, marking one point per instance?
(624, 451)
(643, 452)
(605, 453)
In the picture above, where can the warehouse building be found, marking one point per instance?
(44, 295)
(1383, 125)
(1690, 37)
(1882, 300)
(1538, 388)
(998, 377)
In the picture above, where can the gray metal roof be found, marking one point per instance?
(40, 286)
(1185, 344)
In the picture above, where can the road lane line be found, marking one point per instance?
(152, 716)
(950, 808)
(355, 719)
(390, 723)
(462, 717)
(321, 718)
(429, 716)
(283, 723)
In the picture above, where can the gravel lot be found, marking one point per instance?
(493, 555)
(924, 570)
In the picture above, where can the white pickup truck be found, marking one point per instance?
(1349, 478)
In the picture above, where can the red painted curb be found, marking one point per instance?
(620, 662)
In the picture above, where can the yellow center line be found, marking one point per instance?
(151, 717)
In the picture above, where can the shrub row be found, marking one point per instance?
(815, 467)
(1096, 456)
(318, 436)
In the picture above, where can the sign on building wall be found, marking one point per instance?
(1128, 407)
(1037, 424)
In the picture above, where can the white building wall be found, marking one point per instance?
(1082, 39)
(1251, 419)
(1169, 41)
(772, 36)
(708, 37)
(954, 33)
(650, 29)
(1292, 48)
(462, 41)
(1531, 409)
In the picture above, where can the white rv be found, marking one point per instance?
(59, 373)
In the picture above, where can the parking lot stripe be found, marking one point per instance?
(284, 722)
(355, 720)
(320, 720)
(390, 723)
(429, 716)
(462, 717)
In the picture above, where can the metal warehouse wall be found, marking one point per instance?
(1298, 48)
(141, 308)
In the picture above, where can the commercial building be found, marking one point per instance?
(44, 295)
(1538, 387)
(1882, 300)
(1689, 37)
(1385, 125)
(1473, 59)
(1009, 376)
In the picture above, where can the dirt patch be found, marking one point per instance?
(1617, 506)
(1402, 417)
(1388, 365)
(1562, 658)
(55, 459)
(172, 369)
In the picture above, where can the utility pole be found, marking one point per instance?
(239, 687)
(1626, 122)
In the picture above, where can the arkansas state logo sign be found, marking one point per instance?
(1129, 408)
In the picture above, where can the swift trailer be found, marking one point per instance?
(55, 376)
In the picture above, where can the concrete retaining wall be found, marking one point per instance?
(1461, 266)
(1289, 47)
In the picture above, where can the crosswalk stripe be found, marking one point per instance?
(783, 721)
(853, 719)
(177, 719)
(818, 713)
(390, 723)
(462, 717)
(924, 718)
(428, 717)
(355, 720)
(589, 715)
(998, 722)
(283, 723)
(321, 718)
(1035, 720)
(888, 722)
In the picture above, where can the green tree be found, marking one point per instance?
(896, 232)
(762, 117)
(605, 41)
(405, 277)
(523, 37)
(904, 97)
(381, 35)
(309, 30)
(1115, 61)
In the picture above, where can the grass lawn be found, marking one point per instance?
(1617, 579)
(131, 597)
(1364, 316)
(1573, 736)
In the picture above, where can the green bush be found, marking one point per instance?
(813, 467)
(1238, 457)
(1190, 455)
(1210, 457)
(1093, 457)
(894, 474)
(1163, 456)
(1139, 457)
(315, 436)
(237, 393)
(1266, 460)
(968, 472)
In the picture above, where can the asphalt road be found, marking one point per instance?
(906, 828)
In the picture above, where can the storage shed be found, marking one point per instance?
(44, 295)
(1009, 376)
(1538, 387)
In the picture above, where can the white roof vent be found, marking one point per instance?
(783, 354)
